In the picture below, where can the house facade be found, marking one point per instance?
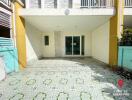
(70, 28)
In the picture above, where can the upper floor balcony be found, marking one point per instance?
(128, 3)
(68, 7)
(128, 7)
(69, 3)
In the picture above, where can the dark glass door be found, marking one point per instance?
(68, 45)
(82, 42)
(72, 45)
(76, 45)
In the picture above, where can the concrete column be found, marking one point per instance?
(116, 29)
(20, 35)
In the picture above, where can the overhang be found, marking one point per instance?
(127, 11)
(56, 12)
(68, 20)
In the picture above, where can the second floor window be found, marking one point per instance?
(93, 3)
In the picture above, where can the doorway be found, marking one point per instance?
(74, 45)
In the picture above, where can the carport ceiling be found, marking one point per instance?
(66, 23)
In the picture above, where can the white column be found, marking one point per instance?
(58, 3)
(27, 4)
(42, 3)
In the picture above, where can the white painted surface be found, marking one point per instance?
(58, 43)
(62, 3)
(27, 3)
(55, 12)
(80, 24)
(56, 46)
(96, 44)
(33, 43)
(127, 11)
(100, 43)
(76, 3)
(49, 50)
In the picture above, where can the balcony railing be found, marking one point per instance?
(97, 3)
(6, 2)
(69, 3)
(128, 3)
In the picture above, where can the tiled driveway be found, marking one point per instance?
(64, 79)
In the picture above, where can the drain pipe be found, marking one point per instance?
(14, 23)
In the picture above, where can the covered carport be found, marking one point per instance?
(93, 24)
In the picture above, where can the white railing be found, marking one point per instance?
(97, 3)
(34, 3)
(69, 3)
(128, 3)
(49, 4)
(40, 3)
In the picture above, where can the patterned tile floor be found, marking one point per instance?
(65, 79)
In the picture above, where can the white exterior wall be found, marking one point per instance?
(96, 43)
(100, 43)
(48, 51)
(56, 46)
(33, 43)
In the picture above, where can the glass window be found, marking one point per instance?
(46, 39)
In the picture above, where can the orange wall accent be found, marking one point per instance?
(20, 37)
(116, 29)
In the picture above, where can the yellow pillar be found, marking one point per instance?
(116, 28)
(20, 36)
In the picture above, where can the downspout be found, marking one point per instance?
(14, 24)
